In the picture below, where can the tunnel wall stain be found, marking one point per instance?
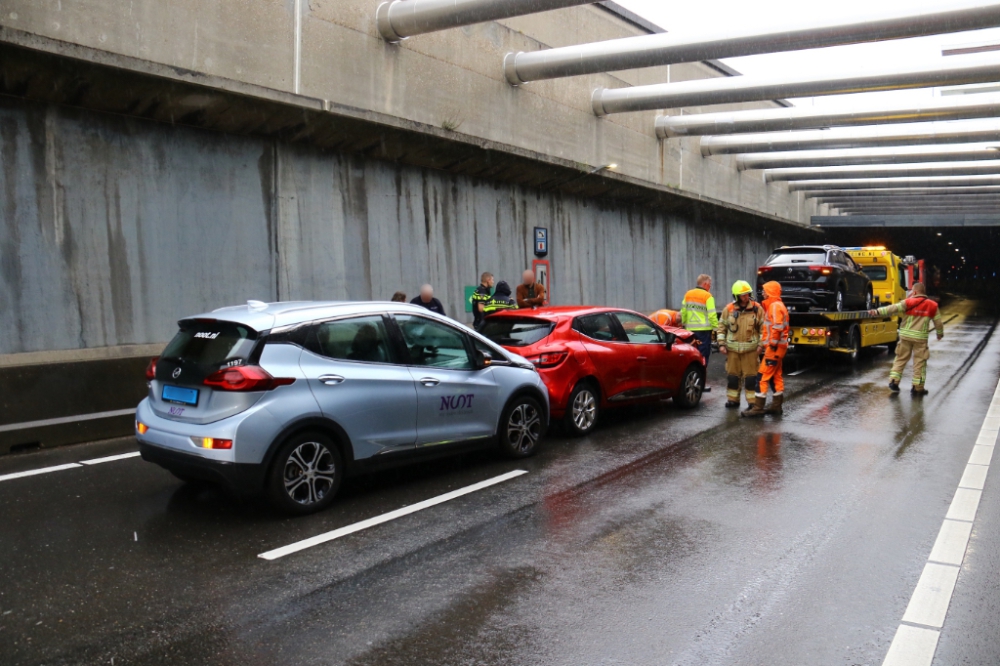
(113, 228)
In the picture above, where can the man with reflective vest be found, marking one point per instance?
(501, 300)
(773, 346)
(698, 314)
(918, 312)
(738, 336)
(480, 297)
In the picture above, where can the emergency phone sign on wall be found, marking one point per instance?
(541, 241)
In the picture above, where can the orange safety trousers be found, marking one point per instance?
(770, 371)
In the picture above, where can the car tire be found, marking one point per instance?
(305, 474)
(854, 344)
(868, 300)
(838, 300)
(583, 409)
(521, 427)
(692, 387)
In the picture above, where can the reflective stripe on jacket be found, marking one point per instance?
(739, 328)
(918, 313)
(496, 304)
(698, 311)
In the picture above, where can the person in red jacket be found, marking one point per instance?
(773, 347)
(919, 314)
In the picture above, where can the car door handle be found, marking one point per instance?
(429, 381)
(331, 380)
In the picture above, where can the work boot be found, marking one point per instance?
(732, 404)
(894, 386)
(757, 409)
(918, 390)
(775, 407)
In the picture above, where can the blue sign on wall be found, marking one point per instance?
(541, 241)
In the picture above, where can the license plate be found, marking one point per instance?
(812, 340)
(184, 396)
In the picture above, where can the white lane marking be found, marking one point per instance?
(41, 470)
(915, 646)
(799, 372)
(929, 603)
(65, 419)
(386, 517)
(974, 477)
(981, 455)
(965, 505)
(952, 540)
(120, 456)
(912, 646)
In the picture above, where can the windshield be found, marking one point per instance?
(516, 332)
(875, 273)
(210, 344)
(803, 256)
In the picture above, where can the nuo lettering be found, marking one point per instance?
(449, 402)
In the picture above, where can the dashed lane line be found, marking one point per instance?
(59, 468)
(916, 638)
(386, 517)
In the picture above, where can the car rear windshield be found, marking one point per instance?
(515, 331)
(210, 344)
(875, 273)
(806, 256)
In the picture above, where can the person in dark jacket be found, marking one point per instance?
(501, 299)
(426, 299)
(480, 298)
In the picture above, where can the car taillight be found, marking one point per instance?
(245, 378)
(212, 443)
(141, 427)
(548, 359)
(822, 270)
(151, 369)
(763, 269)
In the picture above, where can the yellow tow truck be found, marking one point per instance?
(850, 332)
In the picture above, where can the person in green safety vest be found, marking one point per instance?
(698, 314)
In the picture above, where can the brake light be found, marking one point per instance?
(822, 270)
(825, 271)
(141, 427)
(548, 359)
(212, 443)
(764, 269)
(245, 378)
(151, 369)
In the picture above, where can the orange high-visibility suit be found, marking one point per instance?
(773, 340)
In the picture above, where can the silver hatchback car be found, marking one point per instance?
(285, 398)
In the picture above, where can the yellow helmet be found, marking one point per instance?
(741, 287)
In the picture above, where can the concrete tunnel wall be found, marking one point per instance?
(112, 228)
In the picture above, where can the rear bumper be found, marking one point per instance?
(243, 480)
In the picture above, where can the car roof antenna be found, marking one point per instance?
(256, 306)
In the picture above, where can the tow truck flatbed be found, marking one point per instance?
(841, 332)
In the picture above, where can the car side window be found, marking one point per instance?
(639, 329)
(361, 339)
(433, 344)
(598, 326)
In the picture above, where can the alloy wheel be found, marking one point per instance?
(310, 473)
(584, 410)
(524, 427)
(692, 387)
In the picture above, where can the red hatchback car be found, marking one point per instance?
(592, 358)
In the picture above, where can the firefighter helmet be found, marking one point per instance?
(741, 287)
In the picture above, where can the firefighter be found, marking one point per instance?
(739, 338)
(914, 332)
(501, 299)
(698, 314)
(773, 346)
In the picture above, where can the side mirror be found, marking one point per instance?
(669, 344)
(483, 360)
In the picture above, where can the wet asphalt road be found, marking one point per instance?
(667, 537)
